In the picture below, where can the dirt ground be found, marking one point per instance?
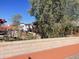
(58, 53)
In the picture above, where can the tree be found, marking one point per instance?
(71, 9)
(71, 12)
(48, 14)
(16, 20)
(52, 16)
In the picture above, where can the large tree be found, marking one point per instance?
(52, 17)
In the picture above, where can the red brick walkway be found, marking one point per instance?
(57, 53)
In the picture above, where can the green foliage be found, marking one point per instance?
(71, 9)
(53, 16)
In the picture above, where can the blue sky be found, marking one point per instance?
(9, 8)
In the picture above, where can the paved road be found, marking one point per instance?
(57, 53)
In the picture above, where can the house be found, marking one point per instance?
(26, 27)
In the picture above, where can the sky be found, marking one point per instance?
(9, 8)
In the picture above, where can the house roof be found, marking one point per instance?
(5, 27)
